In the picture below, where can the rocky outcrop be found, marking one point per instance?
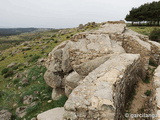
(103, 94)
(98, 70)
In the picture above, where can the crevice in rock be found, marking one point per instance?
(142, 101)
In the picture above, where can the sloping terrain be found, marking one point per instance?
(23, 91)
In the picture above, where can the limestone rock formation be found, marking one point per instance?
(104, 91)
(98, 70)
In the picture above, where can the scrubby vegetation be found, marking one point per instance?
(145, 30)
(155, 35)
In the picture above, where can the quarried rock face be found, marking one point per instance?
(98, 69)
(103, 94)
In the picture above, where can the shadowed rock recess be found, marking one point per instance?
(98, 71)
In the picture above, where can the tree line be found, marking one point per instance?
(146, 14)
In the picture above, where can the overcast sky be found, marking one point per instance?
(63, 13)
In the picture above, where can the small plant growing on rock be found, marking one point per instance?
(152, 62)
(148, 92)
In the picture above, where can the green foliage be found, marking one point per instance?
(38, 72)
(2, 58)
(56, 41)
(2, 94)
(155, 35)
(145, 31)
(4, 71)
(148, 92)
(68, 37)
(147, 79)
(16, 81)
(152, 62)
(34, 58)
(29, 110)
(60, 102)
(148, 12)
(9, 74)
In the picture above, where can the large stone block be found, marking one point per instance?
(103, 92)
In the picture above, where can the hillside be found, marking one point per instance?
(11, 37)
(15, 31)
(23, 91)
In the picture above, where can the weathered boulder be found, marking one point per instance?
(26, 48)
(5, 115)
(71, 82)
(58, 65)
(53, 114)
(21, 111)
(57, 93)
(11, 65)
(27, 99)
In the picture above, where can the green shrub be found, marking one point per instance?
(5, 70)
(2, 94)
(147, 79)
(155, 35)
(15, 67)
(55, 41)
(2, 58)
(152, 62)
(68, 37)
(148, 92)
(9, 74)
(16, 81)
